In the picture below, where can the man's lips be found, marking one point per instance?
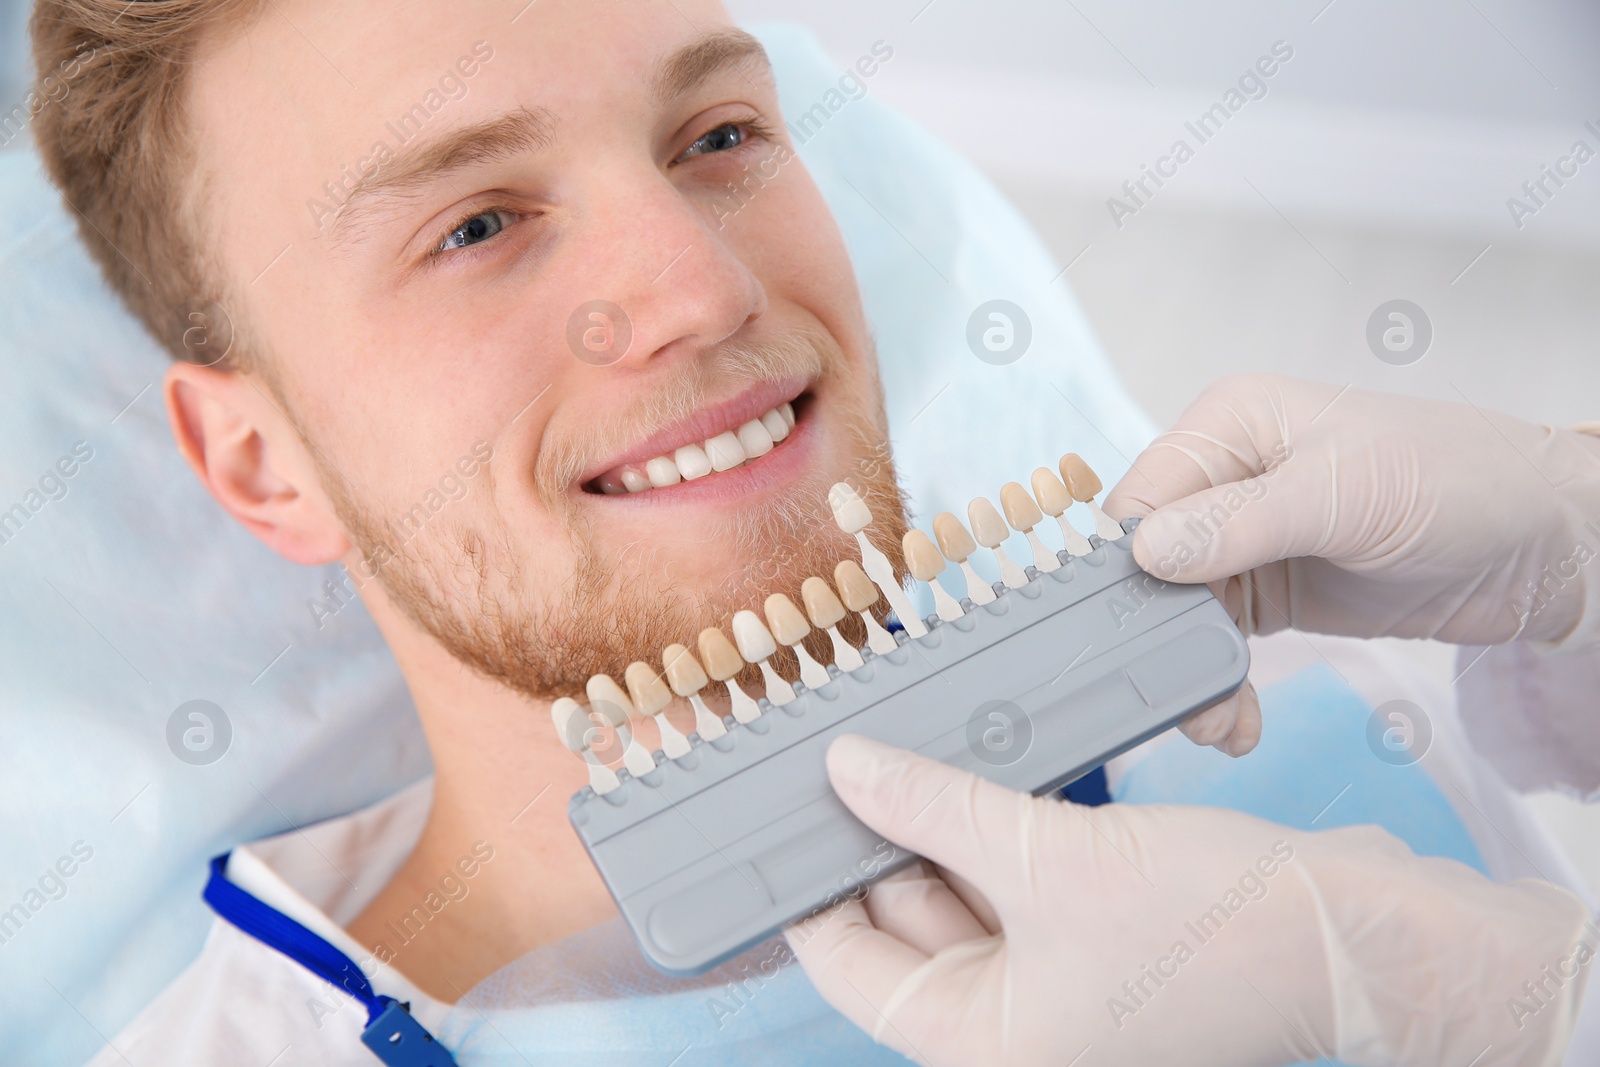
(714, 440)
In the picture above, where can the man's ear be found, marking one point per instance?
(250, 457)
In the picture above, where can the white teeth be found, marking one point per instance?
(725, 451)
(692, 462)
(754, 439)
(777, 426)
(662, 472)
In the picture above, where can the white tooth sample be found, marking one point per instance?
(853, 517)
(573, 726)
(650, 699)
(790, 628)
(777, 426)
(608, 701)
(1084, 485)
(722, 662)
(662, 472)
(757, 646)
(786, 409)
(958, 546)
(925, 564)
(990, 531)
(826, 611)
(635, 480)
(1023, 515)
(687, 678)
(692, 462)
(858, 593)
(724, 451)
(754, 439)
(1055, 500)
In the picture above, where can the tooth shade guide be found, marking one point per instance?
(849, 510)
(723, 662)
(925, 563)
(756, 645)
(991, 531)
(1056, 501)
(1023, 515)
(957, 545)
(1084, 485)
(573, 727)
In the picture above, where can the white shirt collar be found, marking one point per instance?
(323, 876)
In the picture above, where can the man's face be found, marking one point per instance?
(574, 235)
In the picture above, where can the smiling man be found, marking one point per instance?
(485, 243)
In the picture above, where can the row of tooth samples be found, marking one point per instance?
(1052, 495)
(754, 641)
(859, 586)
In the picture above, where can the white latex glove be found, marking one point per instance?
(1166, 935)
(1343, 511)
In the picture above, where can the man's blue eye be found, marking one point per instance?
(476, 229)
(720, 139)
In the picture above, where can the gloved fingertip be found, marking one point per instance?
(857, 763)
(1246, 732)
(1154, 541)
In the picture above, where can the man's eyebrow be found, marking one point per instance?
(521, 130)
(692, 64)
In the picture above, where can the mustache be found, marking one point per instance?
(810, 353)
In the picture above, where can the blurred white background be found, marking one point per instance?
(1377, 166)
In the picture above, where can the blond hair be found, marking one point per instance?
(117, 144)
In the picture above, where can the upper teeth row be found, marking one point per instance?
(723, 452)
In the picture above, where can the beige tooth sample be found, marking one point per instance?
(926, 564)
(607, 700)
(687, 678)
(991, 531)
(757, 646)
(1084, 485)
(662, 472)
(790, 628)
(573, 726)
(650, 699)
(1023, 515)
(722, 661)
(692, 462)
(1055, 500)
(724, 451)
(754, 439)
(853, 517)
(777, 426)
(958, 546)
(857, 593)
(826, 612)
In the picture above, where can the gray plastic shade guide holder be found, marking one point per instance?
(710, 854)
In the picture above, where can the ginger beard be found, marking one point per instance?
(464, 584)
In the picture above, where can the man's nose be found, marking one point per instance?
(679, 287)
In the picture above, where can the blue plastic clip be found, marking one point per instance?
(400, 1041)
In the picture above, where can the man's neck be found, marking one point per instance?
(501, 785)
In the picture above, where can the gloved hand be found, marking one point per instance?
(1163, 934)
(1343, 511)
